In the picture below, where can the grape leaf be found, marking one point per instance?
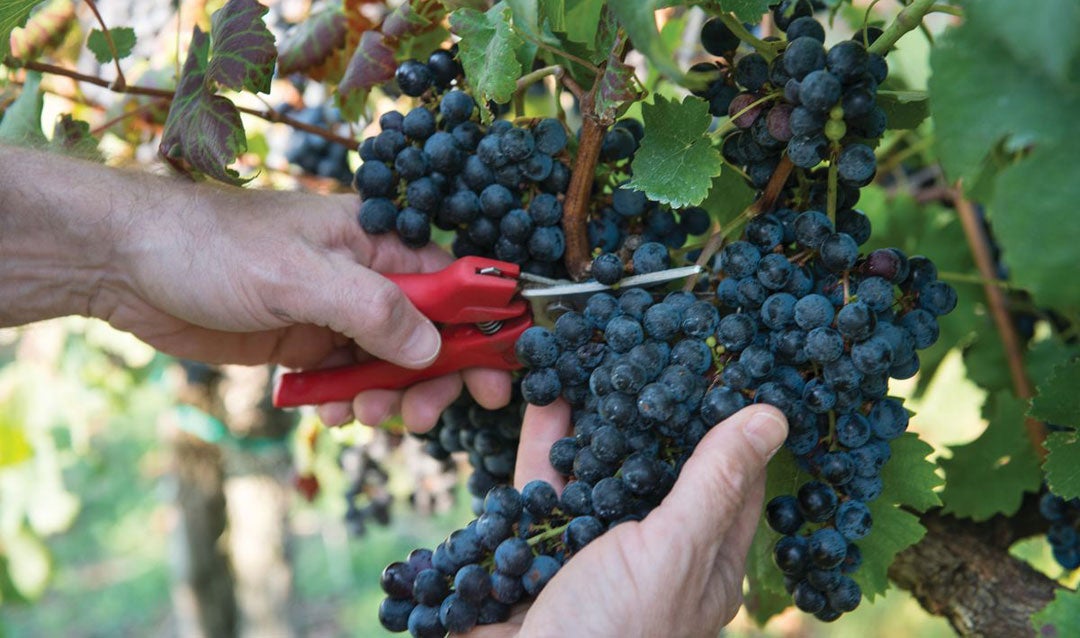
(894, 531)
(677, 161)
(1058, 401)
(553, 14)
(582, 20)
(488, 49)
(243, 52)
(1061, 617)
(745, 10)
(123, 39)
(1051, 21)
(21, 125)
(372, 64)
(203, 131)
(904, 109)
(1001, 457)
(1063, 464)
(72, 137)
(616, 90)
(311, 42)
(13, 14)
(44, 30)
(639, 20)
(979, 77)
(910, 479)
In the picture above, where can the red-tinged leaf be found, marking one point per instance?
(44, 30)
(412, 17)
(243, 53)
(617, 89)
(73, 137)
(203, 131)
(310, 43)
(371, 65)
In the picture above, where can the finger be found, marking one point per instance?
(723, 469)
(335, 414)
(541, 427)
(369, 309)
(372, 407)
(424, 402)
(386, 253)
(490, 388)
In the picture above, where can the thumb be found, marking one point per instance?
(726, 465)
(372, 311)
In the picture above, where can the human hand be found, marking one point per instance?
(678, 572)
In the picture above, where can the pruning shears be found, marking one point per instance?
(483, 306)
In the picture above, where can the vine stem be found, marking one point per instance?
(120, 83)
(979, 244)
(736, 27)
(762, 204)
(270, 115)
(908, 19)
(576, 204)
(532, 77)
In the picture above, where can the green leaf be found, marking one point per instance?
(1063, 464)
(242, 55)
(21, 125)
(894, 530)
(1050, 21)
(123, 39)
(1058, 401)
(677, 161)
(639, 20)
(72, 137)
(1001, 457)
(488, 49)
(988, 100)
(1061, 618)
(904, 109)
(909, 477)
(582, 20)
(203, 131)
(13, 14)
(553, 14)
(729, 195)
(745, 10)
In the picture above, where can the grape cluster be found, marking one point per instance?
(489, 438)
(1064, 533)
(367, 496)
(313, 153)
(808, 103)
(496, 187)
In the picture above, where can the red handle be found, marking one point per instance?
(460, 294)
(464, 346)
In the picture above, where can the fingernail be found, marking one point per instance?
(766, 433)
(422, 346)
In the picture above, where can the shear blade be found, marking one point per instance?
(637, 281)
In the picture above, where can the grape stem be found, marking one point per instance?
(730, 123)
(908, 19)
(270, 115)
(548, 534)
(533, 77)
(830, 194)
(979, 244)
(764, 48)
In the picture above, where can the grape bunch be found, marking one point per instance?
(313, 153)
(496, 187)
(1064, 534)
(808, 103)
(367, 496)
(489, 438)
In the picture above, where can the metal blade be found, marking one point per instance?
(651, 279)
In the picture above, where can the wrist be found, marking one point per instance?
(58, 225)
